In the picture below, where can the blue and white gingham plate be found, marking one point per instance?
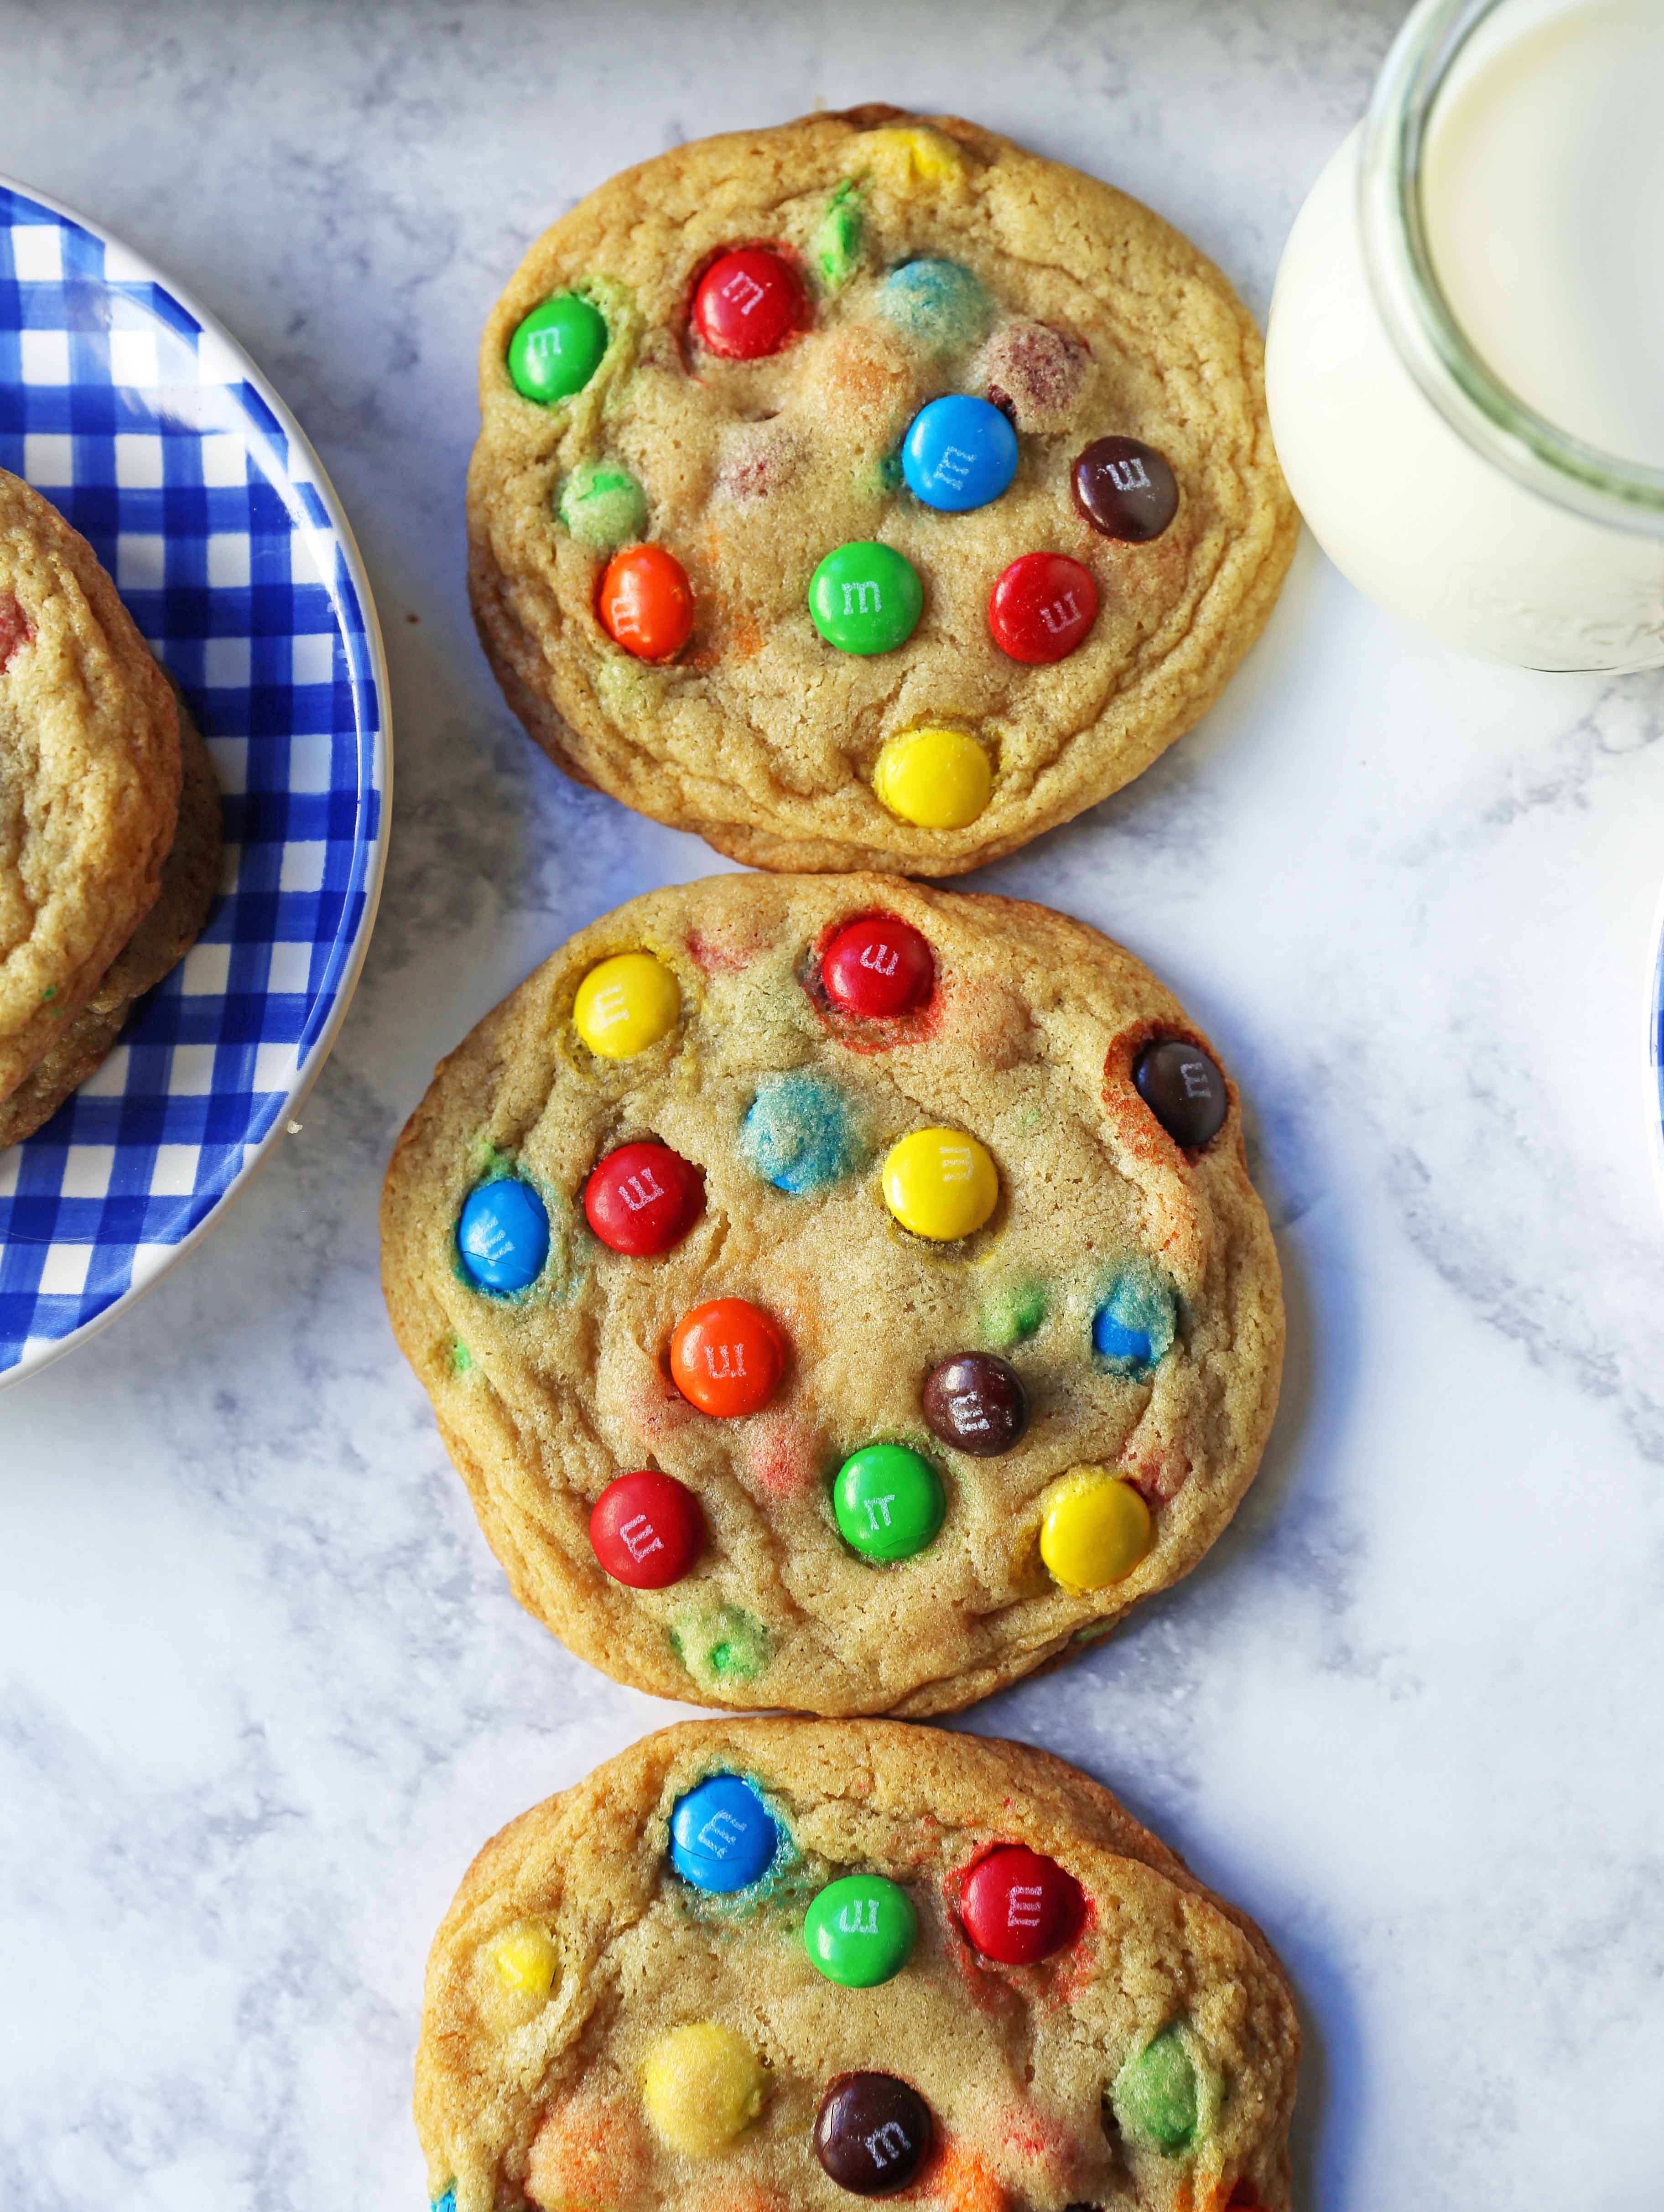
(135, 414)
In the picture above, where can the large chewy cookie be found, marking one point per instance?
(190, 877)
(773, 1965)
(868, 492)
(90, 776)
(836, 1295)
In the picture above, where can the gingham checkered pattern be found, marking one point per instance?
(153, 435)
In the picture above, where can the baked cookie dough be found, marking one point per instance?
(777, 1965)
(836, 1295)
(190, 878)
(109, 814)
(868, 492)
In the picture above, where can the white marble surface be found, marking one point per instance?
(264, 1689)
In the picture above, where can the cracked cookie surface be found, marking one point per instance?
(941, 1349)
(1044, 294)
(603, 2027)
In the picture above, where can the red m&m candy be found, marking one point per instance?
(646, 1530)
(750, 303)
(1042, 607)
(643, 1199)
(727, 1357)
(645, 602)
(878, 968)
(15, 628)
(1018, 1906)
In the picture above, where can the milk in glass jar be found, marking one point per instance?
(1466, 357)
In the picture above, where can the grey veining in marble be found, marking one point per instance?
(264, 1691)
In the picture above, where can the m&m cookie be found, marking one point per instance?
(782, 1966)
(868, 492)
(836, 1295)
(109, 814)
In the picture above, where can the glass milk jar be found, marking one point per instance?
(1466, 357)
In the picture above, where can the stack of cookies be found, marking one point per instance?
(839, 1295)
(109, 814)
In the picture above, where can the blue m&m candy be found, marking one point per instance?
(503, 1234)
(796, 1134)
(1132, 1330)
(960, 453)
(721, 1836)
(936, 303)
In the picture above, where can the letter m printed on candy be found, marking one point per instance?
(641, 1189)
(493, 1240)
(1062, 614)
(1024, 1905)
(888, 2144)
(719, 1834)
(745, 291)
(639, 1538)
(855, 601)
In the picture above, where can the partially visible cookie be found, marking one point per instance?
(189, 875)
(780, 1965)
(869, 491)
(836, 1295)
(90, 774)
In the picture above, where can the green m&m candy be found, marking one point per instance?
(604, 507)
(860, 1931)
(557, 348)
(1156, 2098)
(866, 597)
(888, 1501)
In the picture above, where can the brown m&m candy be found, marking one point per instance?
(1125, 489)
(873, 2133)
(1184, 1089)
(976, 1402)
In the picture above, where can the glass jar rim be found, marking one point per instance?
(1478, 406)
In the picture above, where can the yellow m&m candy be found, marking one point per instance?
(1094, 1530)
(626, 1004)
(912, 154)
(526, 1960)
(936, 779)
(702, 2085)
(940, 1183)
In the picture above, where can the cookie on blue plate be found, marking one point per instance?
(109, 814)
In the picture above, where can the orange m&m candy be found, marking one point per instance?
(645, 602)
(727, 1357)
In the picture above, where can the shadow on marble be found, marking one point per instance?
(1328, 2132)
